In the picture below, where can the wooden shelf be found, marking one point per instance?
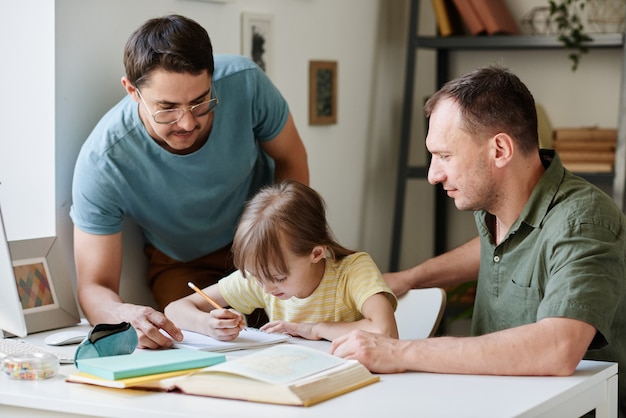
(601, 40)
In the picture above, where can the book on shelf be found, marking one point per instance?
(148, 362)
(248, 338)
(287, 374)
(448, 19)
(473, 22)
(584, 167)
(587, 156)
(586, 149)
(591, 133)
(496, 17)
(584, 146)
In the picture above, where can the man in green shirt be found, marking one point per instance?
(549, 258)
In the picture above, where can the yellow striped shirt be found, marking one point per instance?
(346, 285)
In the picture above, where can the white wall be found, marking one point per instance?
(28, 119)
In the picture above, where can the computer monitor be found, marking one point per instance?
(11, 314)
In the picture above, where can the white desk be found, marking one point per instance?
(594, 385)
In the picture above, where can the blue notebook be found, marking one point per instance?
(142, 363)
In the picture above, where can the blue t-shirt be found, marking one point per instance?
(186, 205)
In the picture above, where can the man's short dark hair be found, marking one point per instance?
(173, 43)
(493, 99)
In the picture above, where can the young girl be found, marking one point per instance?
(289, 265)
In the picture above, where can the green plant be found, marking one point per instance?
(461, 298)
(567, 16)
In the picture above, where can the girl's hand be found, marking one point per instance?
(225, 324)
(296, 329)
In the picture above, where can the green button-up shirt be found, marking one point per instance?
(563, 257)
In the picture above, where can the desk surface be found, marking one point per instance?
(419, 394)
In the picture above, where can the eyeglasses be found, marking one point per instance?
(172, 116)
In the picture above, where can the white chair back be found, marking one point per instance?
(419, 312)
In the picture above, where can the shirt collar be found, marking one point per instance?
(542, 196)
(545, 190)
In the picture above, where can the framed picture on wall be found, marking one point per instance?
(322, 92)
(256, 39)
(43, 284)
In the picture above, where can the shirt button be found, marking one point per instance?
(496, 258)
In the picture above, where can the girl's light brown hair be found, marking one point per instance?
(288, 213)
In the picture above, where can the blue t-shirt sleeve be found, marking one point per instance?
(95, 197)
(92, 209)
(239, 80)
(270, 111)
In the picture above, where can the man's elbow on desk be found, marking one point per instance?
(564, 344)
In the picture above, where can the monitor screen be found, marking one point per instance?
(11, 314)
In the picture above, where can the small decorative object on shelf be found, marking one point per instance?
(538, 21)
(606, 16)
(570, 15)
(571, 29)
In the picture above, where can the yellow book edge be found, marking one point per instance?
(340, 392)
(158, 381)
(443, 20)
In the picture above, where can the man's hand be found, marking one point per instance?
(378, 353)
(148, 322)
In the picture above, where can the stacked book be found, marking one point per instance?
(586, 150)
(475, 17)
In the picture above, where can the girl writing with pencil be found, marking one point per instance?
(289, 264)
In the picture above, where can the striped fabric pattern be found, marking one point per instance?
(346, 285)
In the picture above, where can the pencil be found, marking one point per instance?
(204, 295)
(199, 291)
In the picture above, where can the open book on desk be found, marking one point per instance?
(248, 338)
(287, 374)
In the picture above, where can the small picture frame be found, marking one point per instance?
(322, 92)
(257, 39)
(43, 284)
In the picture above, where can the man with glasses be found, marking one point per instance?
(195, 137)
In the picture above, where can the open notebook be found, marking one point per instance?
(248, 338)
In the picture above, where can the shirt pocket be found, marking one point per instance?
(522, 301)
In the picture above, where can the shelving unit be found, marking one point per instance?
(443, 46)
